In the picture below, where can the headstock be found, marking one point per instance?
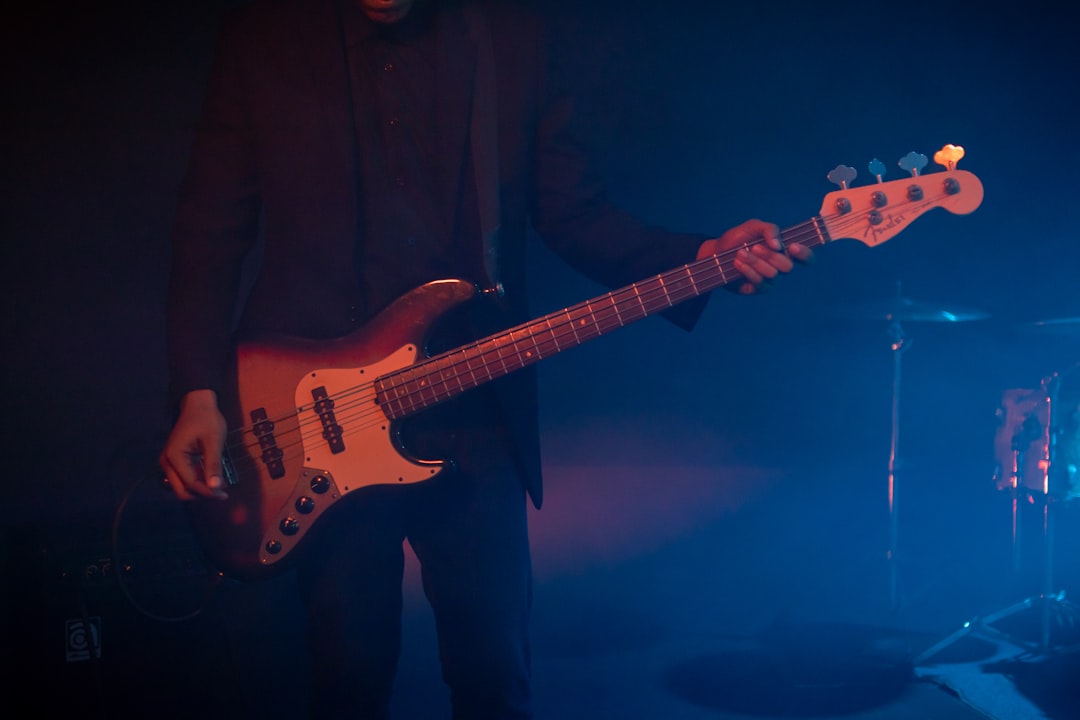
(875, 213)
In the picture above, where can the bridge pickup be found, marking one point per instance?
(263, 429)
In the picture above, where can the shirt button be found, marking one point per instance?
(392, 122)
(388, 66)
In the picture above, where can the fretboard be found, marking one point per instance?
(448, 374)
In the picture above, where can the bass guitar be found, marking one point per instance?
(312, 421)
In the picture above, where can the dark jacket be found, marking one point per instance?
(273, 168)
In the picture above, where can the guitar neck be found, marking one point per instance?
(451, 373)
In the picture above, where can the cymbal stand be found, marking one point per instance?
(898, 345)
(1048, 602)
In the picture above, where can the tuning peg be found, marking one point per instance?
(948, 156)
(877, 169)
(913, 162)
(842, 175)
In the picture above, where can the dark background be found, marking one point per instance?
(700, 114)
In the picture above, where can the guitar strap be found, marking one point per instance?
(484, 141)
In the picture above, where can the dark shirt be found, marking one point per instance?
(405, 237)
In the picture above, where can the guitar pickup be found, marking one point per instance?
(263, 429)
(324, 408)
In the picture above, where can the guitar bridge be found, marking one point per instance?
(228, 470)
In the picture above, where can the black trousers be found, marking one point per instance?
(468, 529)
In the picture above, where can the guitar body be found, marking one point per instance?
(307, 428)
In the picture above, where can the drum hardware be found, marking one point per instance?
(1064, 326)
(1021, 447)
(896, 311)
(898, 346)
(1045, 422)
(905, 309)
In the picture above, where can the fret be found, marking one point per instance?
(537, 353)
(615, 309)
(693, 283)
(473, 378)
(636, 288)
(573, 329)
(664, 291)
(500, 353)
(429, 387)
(551, 333)
(592, 319)
(819, 228)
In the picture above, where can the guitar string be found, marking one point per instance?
(805, 232)
(353, 416)
(557, 330)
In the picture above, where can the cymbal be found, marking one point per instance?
(1056, 326)
(904, 309)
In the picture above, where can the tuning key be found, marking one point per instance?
(877, 169)
(913, 162)
(842, 175)
(948, 156)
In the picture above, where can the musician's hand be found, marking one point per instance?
(191, 457)
(758, 262)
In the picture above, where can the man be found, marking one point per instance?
(373, 146)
